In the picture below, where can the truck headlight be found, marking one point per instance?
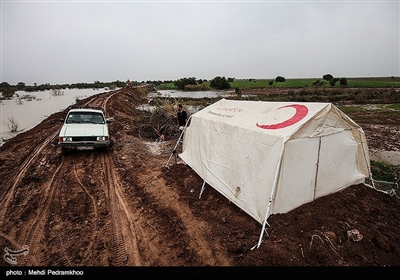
(65, 139)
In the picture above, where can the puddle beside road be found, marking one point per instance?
(389, 157)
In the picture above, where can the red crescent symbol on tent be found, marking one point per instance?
(301, 112)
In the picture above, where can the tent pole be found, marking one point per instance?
(177, 143)
(173, 153)
(316, 171)
(270, 201)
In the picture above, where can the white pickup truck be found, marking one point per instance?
(84, 128)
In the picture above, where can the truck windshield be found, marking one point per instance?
(85, 117)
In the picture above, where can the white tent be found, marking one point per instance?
(271, 157)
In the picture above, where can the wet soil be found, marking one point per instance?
(128, 208)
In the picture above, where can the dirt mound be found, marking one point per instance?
(125, 208)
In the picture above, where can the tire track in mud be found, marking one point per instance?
(22, 170)
(44, 226)
(96, 231)
(213, 256)
(92, 199)
(36, 229)
(125, 249)
(28, 161)
(125, 243)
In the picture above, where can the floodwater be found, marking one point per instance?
(193, 94)
(28, 109)
(390, 157)
(187, 94)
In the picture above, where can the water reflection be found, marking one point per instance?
(191, 94)
(186, 94)
(190, 108)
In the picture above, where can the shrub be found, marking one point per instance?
(13, 124)
(220, 83)
(280, 79)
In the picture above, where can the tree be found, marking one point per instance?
(8, 92)
(4, 85)
(327, 77)
(21, 86)
(343, 81)
(280, 79)
(181, 83)
(220, 83)
(333, 81)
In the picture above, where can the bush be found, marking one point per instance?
(280, 79)
(361, 97)
(13, 125)
(220, 83)
(56, 92)
(333, 81)
(343, 81)
(327, 77)
(8, 93)
(199, 87)
(183, 82)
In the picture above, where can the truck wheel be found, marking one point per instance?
(64, 151)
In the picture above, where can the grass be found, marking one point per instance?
(386, 177)
(395, 107)
(362, 82)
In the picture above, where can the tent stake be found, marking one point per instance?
(202, 188)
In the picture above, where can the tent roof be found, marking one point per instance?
(282, 119)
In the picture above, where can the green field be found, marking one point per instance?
(366, 82)
(299, 83)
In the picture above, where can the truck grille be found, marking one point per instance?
(87, 138)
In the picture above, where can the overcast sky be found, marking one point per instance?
(60, 42)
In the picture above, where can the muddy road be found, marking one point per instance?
(124, 208)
